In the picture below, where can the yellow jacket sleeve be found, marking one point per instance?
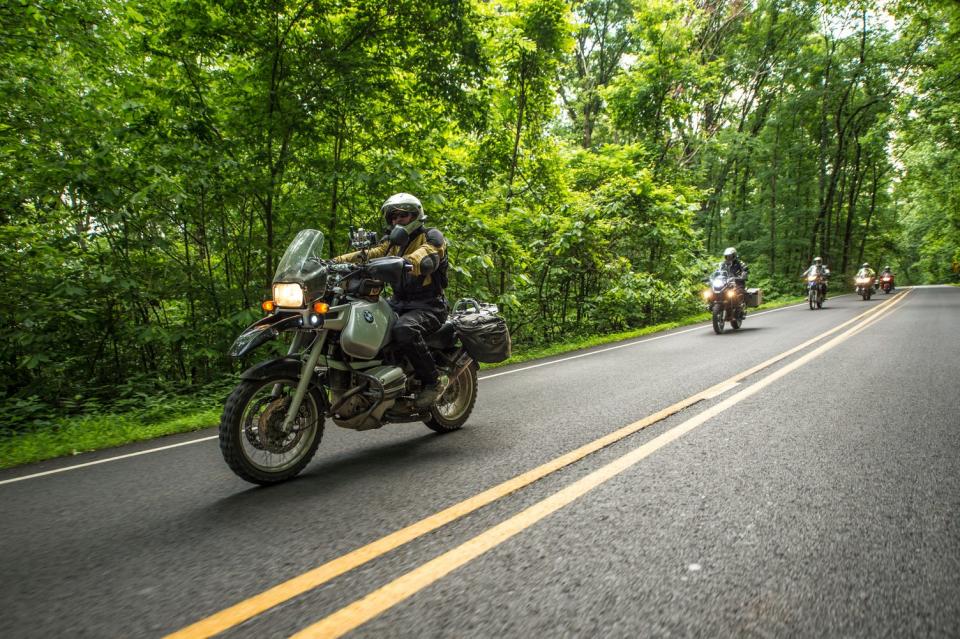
(377, 251)
(427, 248)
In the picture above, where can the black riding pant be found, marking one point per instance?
(409, 333)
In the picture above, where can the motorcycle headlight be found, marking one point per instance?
(812, 278)
(731, 293)
(288, 294)
(707, 294)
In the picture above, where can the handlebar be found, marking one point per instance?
(339, 267)
(349, 267)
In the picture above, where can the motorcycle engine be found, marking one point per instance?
(364, 404)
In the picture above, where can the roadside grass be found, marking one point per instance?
(74, 435)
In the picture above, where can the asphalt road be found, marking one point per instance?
(818, 496)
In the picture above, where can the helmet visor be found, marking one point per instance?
(398, 215)
(402, 210)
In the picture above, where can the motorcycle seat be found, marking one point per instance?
(444, 337)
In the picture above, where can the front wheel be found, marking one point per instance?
(812, 299)
(718, 322)
(252, 439)
(453, 408)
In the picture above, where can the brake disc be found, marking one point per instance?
(270, 435)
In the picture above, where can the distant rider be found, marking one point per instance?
(418, 299)
(866, 271)
(818, 268)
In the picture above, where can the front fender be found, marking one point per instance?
(260, 332)
(283, 368)
(288, 367)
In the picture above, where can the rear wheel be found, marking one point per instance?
(453, 408)
(718, 321)
(252, 439)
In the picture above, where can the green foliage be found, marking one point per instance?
(587, 162)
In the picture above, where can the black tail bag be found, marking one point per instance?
(483, 332)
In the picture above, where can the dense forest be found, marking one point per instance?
(587, 161)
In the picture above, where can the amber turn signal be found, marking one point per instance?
(269, 306)
(320, 307)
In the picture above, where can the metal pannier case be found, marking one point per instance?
(481, 329)
(754, 297)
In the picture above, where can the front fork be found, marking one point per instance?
(306, 374)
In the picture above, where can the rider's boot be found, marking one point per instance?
(430, 393)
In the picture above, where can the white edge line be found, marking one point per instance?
(516, 370)
(109, 459)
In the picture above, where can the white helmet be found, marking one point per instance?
(402, 203)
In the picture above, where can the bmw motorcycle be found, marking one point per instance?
(725, 300)
(340, 364)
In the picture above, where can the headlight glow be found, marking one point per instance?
(707, 294)
(731, 293)
(288, 294)
(812, 278)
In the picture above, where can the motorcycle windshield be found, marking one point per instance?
(718, 280)
(301, 262)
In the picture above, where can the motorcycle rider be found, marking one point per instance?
(866, 271)
(818, 268)
(734, 267)
(418, 299)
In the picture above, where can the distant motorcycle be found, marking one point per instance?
(864, 287)
(815, 290)
(886, 283)
(725, 300)
(341, 363)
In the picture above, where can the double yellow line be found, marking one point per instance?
(361, 611)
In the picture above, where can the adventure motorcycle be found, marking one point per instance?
(340, 365)
(886, 282)
(864, 287)
(725, 300)
(816, 285)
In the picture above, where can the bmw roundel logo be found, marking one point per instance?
(367, 315)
